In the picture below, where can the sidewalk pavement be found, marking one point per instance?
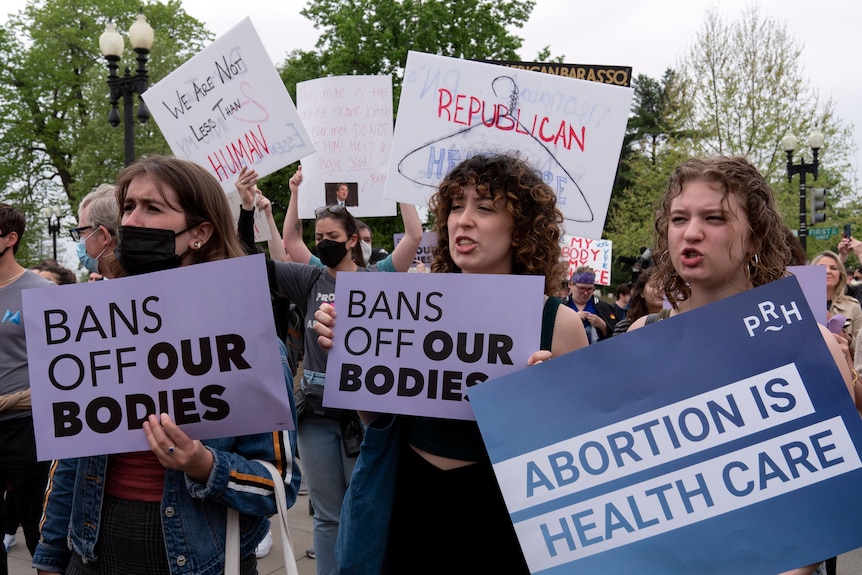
(273, 564)
(301, 535)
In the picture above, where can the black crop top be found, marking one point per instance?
(458, 439)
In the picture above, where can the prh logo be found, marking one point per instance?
(771, 318)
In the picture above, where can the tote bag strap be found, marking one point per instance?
(232, 542)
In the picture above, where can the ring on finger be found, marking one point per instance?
(170, 450)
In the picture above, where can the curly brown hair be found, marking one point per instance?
(531, 203)
(732, 175)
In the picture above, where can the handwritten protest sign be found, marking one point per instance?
(586, 252)
(409, 343)
(714, 448)
(425, 251)
(350, 120)
(227, 107)
(104, 355)
(569, 130)
(262, 232)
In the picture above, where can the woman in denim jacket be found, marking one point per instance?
(164, 511)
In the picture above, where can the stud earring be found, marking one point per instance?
(197, 245)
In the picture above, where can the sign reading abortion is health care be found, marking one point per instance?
(227, 107)
(416, 344)
(197, 343)
(726, 442)
(570, 131)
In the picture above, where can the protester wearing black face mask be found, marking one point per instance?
(328, 438)
(331, 252)
(173, 213)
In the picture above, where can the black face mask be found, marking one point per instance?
(331, 252)
(145, 250)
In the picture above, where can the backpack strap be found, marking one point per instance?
(549, 318)
(654, 317)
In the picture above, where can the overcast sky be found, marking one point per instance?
(647, 35)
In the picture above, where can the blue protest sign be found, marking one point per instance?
(722, 440)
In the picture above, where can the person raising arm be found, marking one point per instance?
(399, 260)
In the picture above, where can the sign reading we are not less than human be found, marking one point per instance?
(227, 107)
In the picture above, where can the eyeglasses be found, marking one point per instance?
(584, 289)
(331, 209)
(76, 232)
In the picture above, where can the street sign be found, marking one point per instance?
(822, 233)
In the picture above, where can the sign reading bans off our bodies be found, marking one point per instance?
(416, 344)
(726, 442)
(197, 343)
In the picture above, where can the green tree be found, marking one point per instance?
(653, 144)
(374, 37)
(744, 87)
(55, 141)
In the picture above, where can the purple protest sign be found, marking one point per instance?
(197, 343)
(415, 343)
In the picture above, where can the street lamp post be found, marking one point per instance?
(53, 215)
(126, 86)
(789, 142)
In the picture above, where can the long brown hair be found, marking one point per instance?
(531, 203)
(201, 199)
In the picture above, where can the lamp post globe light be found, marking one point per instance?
(790, 142)
(53, 214)
(111, 45)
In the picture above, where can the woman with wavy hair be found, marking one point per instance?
(718, 234)
(163, 511)
(837, 300)
(423, 498)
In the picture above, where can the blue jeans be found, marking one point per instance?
(327, 470)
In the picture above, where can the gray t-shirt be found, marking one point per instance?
(308, 286)
(13, 346)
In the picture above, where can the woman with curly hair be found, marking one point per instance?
(718, 234)
(423, 497)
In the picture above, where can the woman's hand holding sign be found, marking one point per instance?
(246, 185)
(176, 450)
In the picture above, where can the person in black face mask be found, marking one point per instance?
(328, 438)
(172, 213)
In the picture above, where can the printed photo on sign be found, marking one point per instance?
(227, 108)
(570, 131)
(416, 344)
(712, 449)
(350, 122)
(104, 355)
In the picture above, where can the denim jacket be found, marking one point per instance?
(193, 513)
